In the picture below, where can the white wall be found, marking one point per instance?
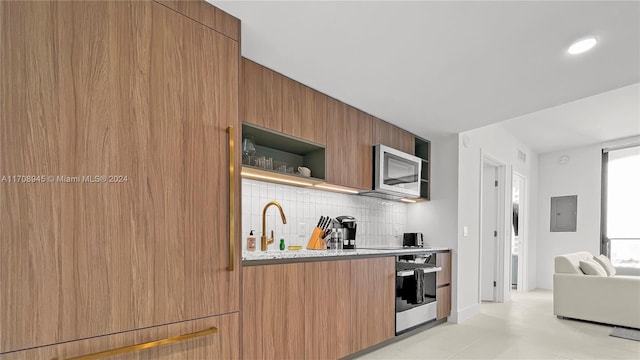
(437, 219)
(581, 176)
(497, 142)
(380, 222)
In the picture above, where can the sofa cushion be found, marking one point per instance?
(590, 267)
(569, 263)
(606, 264)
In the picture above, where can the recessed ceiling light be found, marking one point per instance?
(582, 45)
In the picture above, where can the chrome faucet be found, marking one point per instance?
(264, 242)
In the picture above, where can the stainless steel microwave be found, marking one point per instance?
(396, 173)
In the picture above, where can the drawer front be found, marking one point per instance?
(184, 340)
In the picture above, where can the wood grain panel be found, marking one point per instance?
(304, 112)
(328, 309)
(208, 15)
(69, 109)
(190, 120)
(314, 128)
(273, 311)
(443, 260)
(373, 300)
(222, 345)
(91, 93)
(262, 95)
(443, 296)
(393, 136)
(349, 147)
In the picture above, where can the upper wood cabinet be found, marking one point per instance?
(304, 112)
(349, 147)
(208, 15)
(261, 95)
(373, 285)
(392, 136)
(132, 90)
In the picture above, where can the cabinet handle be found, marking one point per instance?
(232, 197)
(147, 345)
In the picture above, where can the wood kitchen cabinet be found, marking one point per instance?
(328, 309)
(207, 15)
(443, 285)
(139, 92)
(373, 284)
(304, 112)
(349, 146)
(393, 136)
(317, 310)
(273, 311)
(221, 344)
(261, 95)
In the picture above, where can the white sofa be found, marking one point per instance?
(611, 300)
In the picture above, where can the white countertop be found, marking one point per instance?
(304, 253)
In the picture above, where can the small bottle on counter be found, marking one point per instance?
(251, 241)
(281, 244)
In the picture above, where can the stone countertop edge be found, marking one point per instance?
(297, 256)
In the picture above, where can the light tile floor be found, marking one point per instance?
(524, 328)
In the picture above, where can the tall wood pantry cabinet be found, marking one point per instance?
(115, 161)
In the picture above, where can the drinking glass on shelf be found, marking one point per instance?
(248, 149)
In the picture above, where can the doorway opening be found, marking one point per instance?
(492, 274)
(518, 231)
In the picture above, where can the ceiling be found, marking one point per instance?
(442, 67)
(611, 115)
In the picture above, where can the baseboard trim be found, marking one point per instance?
(465, 314)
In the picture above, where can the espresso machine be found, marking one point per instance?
(346, 229)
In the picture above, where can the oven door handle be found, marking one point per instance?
(425, 270)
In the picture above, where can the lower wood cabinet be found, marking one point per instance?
(328, 308)
(273, 311)
(373, 303)
(443, 284)
(317, 310)
(443, 308)
(222, 344)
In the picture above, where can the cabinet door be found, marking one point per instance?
(194, 97)
(261, 96)
(443, 260)
(393, 136)
(373, 302)
(273, 311)
(87, 90)
(222, 344)
(328, 309)
(208, 15)
(349, 148)
(443, 296)
(304, 112)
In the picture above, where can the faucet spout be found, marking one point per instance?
(264, 242)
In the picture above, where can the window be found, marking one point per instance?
(621, 206)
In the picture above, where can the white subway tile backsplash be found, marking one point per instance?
(380, 222)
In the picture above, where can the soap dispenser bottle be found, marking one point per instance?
(251, 241)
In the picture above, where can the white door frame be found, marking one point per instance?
(523, 225)
(502, 273)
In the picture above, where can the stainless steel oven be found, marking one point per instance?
(415, 290)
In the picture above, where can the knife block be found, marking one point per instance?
(316, 242)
